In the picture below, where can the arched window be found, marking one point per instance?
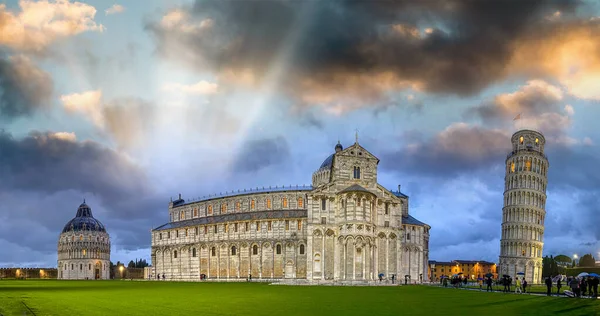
(84, 252)
(268, 203)
(301, 249)
(512, 167)
(238, 205)
(195, 212)
(356, 172)
(182, 215)
(213, 251)
(233, 251)
(537, 142)
(186, 232)
(521, 140)
(193, 252)
(175, 254)
(210, 209)
(278, 249)
(300, 202)
(255, 250)
(284, 202)
(252, 204)
(223, 208)
(299, 224)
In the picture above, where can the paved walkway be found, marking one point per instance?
(512, 292)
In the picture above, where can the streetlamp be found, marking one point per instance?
(121, 269)
(574, 259)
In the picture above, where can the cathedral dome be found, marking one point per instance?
(84, 221)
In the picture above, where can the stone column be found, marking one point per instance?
(336, 259)
(344, 267)
(387, 257)
(323, 252)
(354, 260)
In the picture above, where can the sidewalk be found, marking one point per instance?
(512, 292)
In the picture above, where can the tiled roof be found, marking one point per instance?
(181, 202)
(354, 188)
(399, 194)
(245, 216)
(409, 220)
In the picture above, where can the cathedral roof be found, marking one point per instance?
(245, 216)
(354, 188)
(84, 221)
(328, 162)
(409, 220)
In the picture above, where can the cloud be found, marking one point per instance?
(63, 163)
(533, 98)
(258, 154)
(125, 119)
(345, 55)
(538, 106)
(567, 52)
(115, 8)
(39, 23)
(458, 149)
(88, 103)
(199, 88)
(24, 88)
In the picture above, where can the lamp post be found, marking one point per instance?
(575, 259)
(121, 269)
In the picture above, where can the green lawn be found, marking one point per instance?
(173, 298)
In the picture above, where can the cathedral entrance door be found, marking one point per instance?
(97, 274)
(289, 269)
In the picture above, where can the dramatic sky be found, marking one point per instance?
(128, 103)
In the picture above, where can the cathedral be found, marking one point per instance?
(345, 227)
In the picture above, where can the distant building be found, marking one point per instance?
(345, 227)
(472, 269)
(84, 248)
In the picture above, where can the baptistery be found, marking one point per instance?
(84, 248)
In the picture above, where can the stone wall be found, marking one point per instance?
(28, 273)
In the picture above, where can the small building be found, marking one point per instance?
(472, 269)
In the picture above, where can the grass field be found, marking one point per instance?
(53, 297)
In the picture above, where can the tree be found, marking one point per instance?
(131, 264)
(587, 261)
(563, 260)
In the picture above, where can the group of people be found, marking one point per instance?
(580, 287)
(520, 284)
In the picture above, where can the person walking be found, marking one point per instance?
(558, 285)
(518, 286)
(524, 286)
(549, 285)
(595, 283)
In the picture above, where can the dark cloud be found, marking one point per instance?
(53, 162)
(355, 51)
(258, 154)
(457, 150)
(46, 176)
(24, 88)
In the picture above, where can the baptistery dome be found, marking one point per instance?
(84, 247)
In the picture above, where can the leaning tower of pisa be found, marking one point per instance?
(524, 212)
